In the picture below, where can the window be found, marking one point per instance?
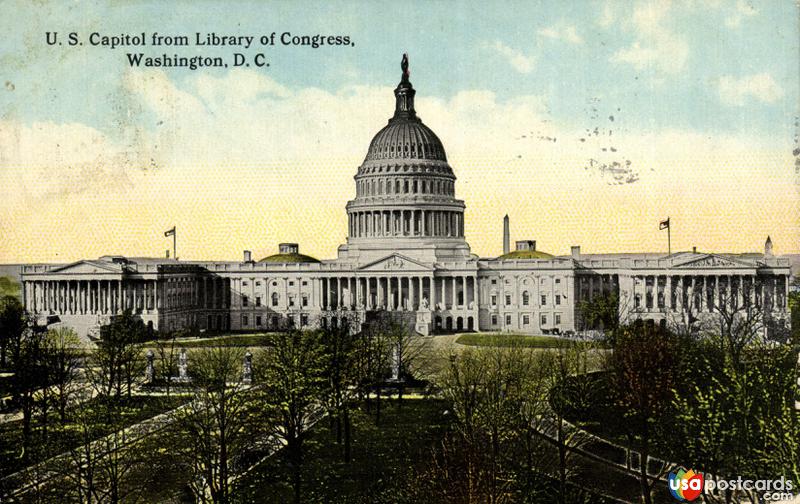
(508, 299)
(275, 299)
(494, 300)
(245, 301)
(244, 283)
(526, 319)
(494, 281)
(558, 280)
(544, 299)
(258, 284)
(291, 283)
(244, 320)
(305, 300)
(558, 319)
(291, 300)
(258, 321)
(494, 320)
(303, 320)
(544, 319)
(258, 300)
(525, 298)
(305, 282)
(274, 284)
(274, 321)
(558, 299)
(508, 320)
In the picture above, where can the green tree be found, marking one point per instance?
(293, 382)
(13, 322)
(644, 371)
(340, 373)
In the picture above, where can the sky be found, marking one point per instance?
(587, 122)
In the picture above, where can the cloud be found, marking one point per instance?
(519, 61)
(568, 33)
(607, 15)
(244, 161)
(742, 10)
(762, 87)
(656, 47)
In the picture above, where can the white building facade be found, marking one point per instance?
(405, 253)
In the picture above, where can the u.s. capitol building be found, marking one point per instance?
(405, 253)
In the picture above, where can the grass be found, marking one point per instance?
(227, 340)
(512, 340)
(384, 458)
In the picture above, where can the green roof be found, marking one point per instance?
(289, 258)
(526, 254)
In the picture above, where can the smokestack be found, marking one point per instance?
(768, 247)
(506, 236)
(248, 256)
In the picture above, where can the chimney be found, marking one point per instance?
(248, 257)
(526, 245)
(694, 250)
(768, 247)
(576, 251)
(506, 236)
(167, 253)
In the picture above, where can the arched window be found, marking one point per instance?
(397, 187)
(525, 298)
(275, 299)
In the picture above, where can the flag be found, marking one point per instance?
(661, 225)
(170, 232)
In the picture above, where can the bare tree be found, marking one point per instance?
(218, 424)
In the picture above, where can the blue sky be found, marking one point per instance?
(66, 84)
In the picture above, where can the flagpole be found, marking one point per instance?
(174, 243)
(669, 236)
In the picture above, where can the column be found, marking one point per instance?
(668, 293)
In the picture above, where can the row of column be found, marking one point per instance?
(709, 292)
(214, 292)
(393, 223)
(88, 297)
(590, 286)
(399, 293)
(404, 186)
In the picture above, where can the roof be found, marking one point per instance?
(289, 258)
(526, 254)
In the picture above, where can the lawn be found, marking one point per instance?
(512, 340)
(63, 437)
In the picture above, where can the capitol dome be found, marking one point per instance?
(406, 138)
(405, 191)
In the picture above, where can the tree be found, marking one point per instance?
(62, 359)
(117, 359)
(167, 366)
(218, 424)
(644, 375)
(13, 322)
(340, 373)
(601, 312)
(567, 363)
(293, 382)
(373, 361)
(30, 375)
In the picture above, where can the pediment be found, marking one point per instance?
(396, 262)
(88, 268)
(713, 261)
